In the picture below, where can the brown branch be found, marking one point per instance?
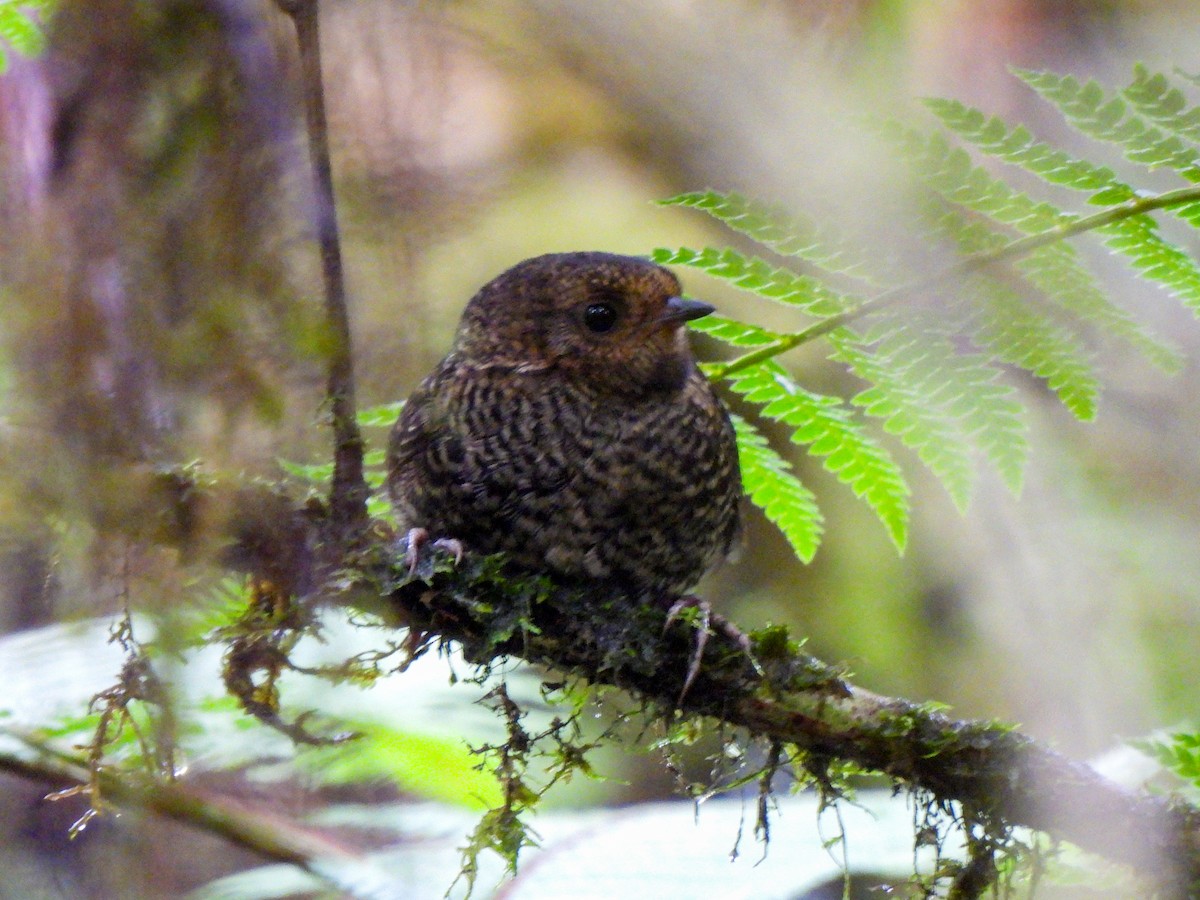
(1003, 777)
(269, 837)
(348, 494)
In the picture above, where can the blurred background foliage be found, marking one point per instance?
(159, 290)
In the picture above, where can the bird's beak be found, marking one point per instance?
(680, 309)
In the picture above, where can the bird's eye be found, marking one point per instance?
(600, 317)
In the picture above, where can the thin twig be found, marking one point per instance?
(1017, 248)
(348, 494)
(269, 837)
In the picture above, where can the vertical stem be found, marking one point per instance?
(348, 494)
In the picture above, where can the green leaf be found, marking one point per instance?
(1019, 148)
(1137, 238)
(771, 485)
(382, 416)
(316, 474)
(731, 331)
(1093, 112)
(923, 350)
(948, 170)
(829, 430)
(759, 277)
(907, 412)
(774, 227)
(1057, 271)
(19, 31)
(1022, 336)
(1154, 258)
(431, 766)
(1154, 97)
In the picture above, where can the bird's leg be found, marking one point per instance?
(415, 542)
(708, 621)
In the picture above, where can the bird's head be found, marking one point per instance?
(612, 321)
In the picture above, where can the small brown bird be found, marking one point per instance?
(570, 428)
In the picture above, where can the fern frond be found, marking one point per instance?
(759, 277)
(1095, 113)
(1023, 297)
(990, 415)
(1164, 105)
(948, 170)
(1154, 258)
(920, 424)
(774, 227)
(830, 431)
(772, 486)
(733, 332)
(1020, 148)
(1022, 336)
(1056, 270)
(965, 385)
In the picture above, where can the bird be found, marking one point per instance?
(570, 429)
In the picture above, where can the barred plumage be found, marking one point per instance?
(570, 428)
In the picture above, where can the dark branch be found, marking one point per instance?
(1003, 777)
(267, 836)
(348, 495)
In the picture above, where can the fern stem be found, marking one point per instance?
(1017, 248)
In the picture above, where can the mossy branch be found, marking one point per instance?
(788, 697)
(784, 696)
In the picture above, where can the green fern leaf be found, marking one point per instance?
(1091, 111)
(773, 227)
(1054, 270)
(759, 277)
(731, 331)
(1154, 97)
(964, 385)
(907, 412)
(1057, 271)
(949, 172)
(990, 415)
(829, 430)
(1019, 148)
(1022, 336)
(1105, 118)
(771, 485)
(1154, 258)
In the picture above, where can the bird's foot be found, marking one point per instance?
(707, 622)
(417, 544)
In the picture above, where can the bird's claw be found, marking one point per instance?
(707, 621)
(413, 542)
(417, 540)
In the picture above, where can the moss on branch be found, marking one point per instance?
(1002, 777)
